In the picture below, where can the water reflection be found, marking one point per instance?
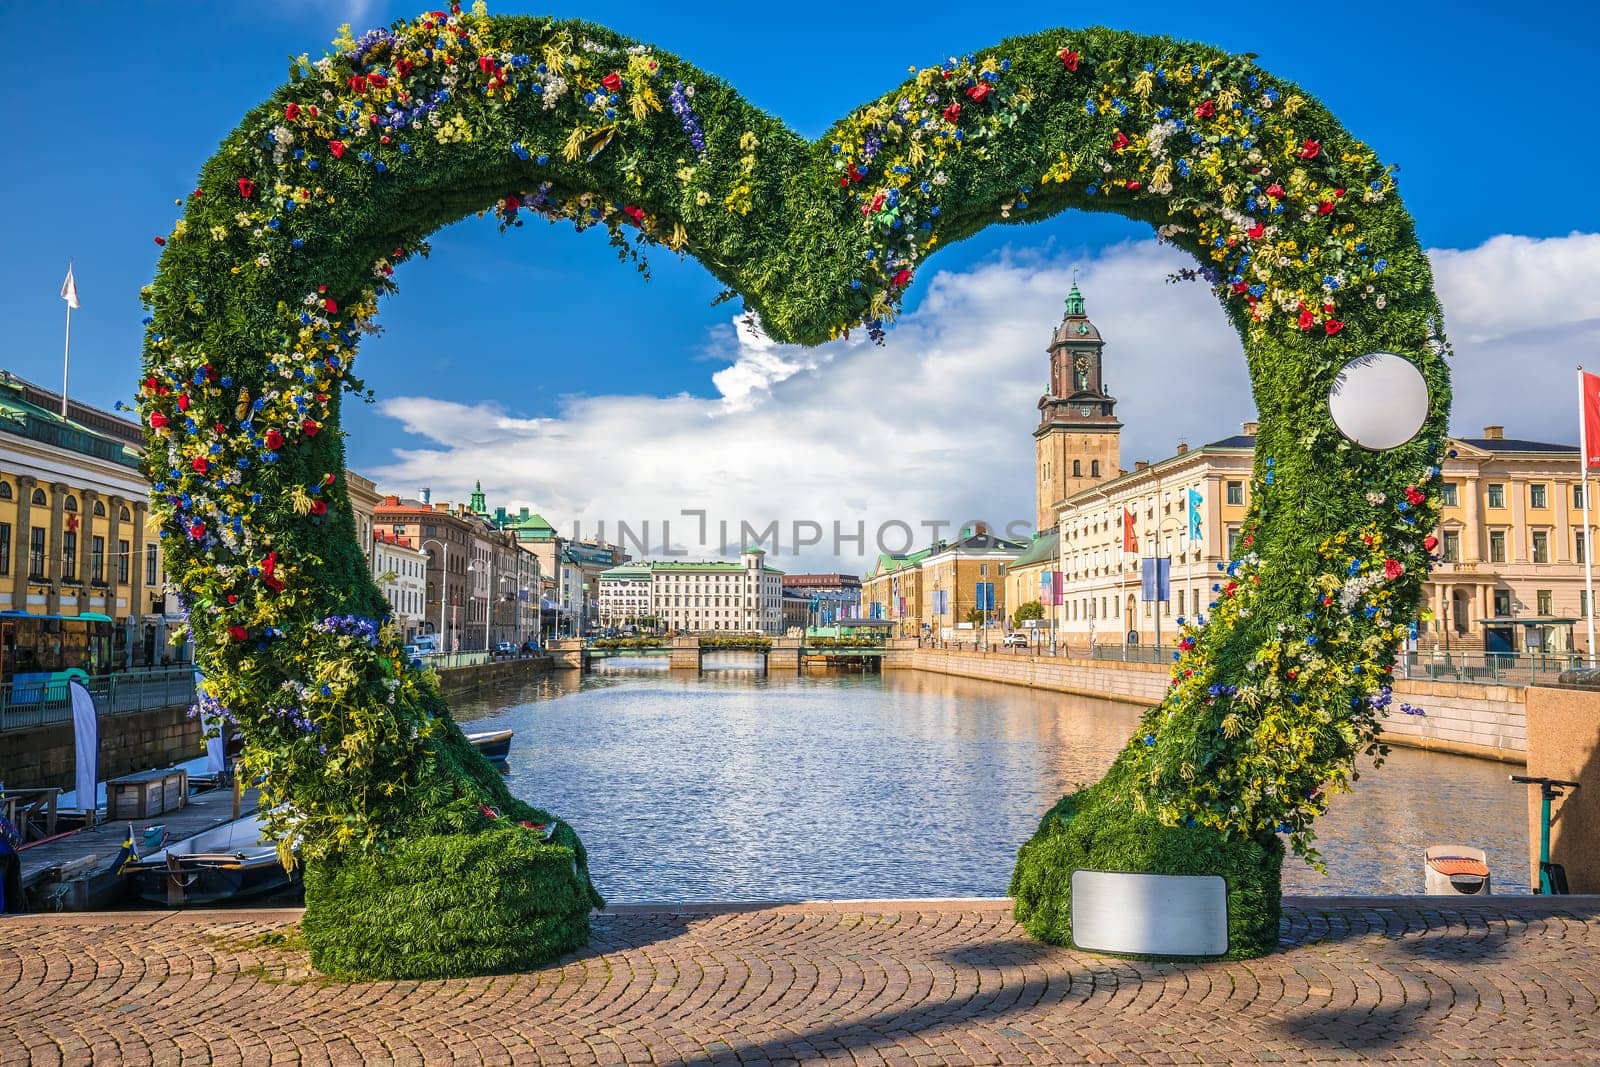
(739, 786)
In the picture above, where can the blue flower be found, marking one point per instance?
(1149, 740)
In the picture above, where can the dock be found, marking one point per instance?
(88, 857)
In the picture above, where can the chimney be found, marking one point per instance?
(1494, 433)
(391, 501)
(1250, 429)
(1142, 464)
(442, 505)
(1183, 446)
(427, 495)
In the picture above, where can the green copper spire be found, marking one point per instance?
(478, 505)
(1075, 299)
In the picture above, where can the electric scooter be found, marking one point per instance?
(1552, 876)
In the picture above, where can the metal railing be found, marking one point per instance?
(26, 704)
(441, 661)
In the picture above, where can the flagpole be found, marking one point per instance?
(66, 358)
(1588, 548)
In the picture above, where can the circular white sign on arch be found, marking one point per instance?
(1379, 401)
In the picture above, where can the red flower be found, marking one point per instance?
(291, 112)
(1310, 149)
(979, 92)
(337, 148)
(1392, 569)
(1134, 186)
(377, 81)
(634, 212)
(1206, 109)
(612, 82)
(900, 279)
(358, 84)
(1240, 288)
(319, 507)
(952, 113)
(1333, 326)
(330, 306)
(183, 403)
(1257, 231)
(876, 203)
(1415, 496)
(274, 440)
(1307, 319)
(1120, 141)
(1275, 191)
(1325, 208)
(157, 420)
(238, 633)
(200, 465)
(512, 202)
(197, 531)
(402, 67)
(1069, 60)
(1430, 542)
(309, 427)
(162, 241)
(247, 188)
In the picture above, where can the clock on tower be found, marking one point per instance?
(1078, 439)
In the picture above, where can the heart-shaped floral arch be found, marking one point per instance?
(419, 861)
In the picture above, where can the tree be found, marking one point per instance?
(974, 616)
(1031, 610)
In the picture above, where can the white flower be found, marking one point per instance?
(1382, 301)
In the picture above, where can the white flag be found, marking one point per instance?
(69, 289)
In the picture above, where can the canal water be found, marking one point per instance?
(739, 786)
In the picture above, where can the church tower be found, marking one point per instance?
(1078, 442)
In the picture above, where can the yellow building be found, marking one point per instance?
(76, 536)
(933, 592)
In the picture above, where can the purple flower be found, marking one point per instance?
(687, 118)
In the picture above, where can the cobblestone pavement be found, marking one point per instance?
(878, 983)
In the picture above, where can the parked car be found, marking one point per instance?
(505, 648)
(1015, 641)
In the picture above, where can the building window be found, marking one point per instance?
(1236, 493)
(1497, 495)
(69, 555)
(1447, 495)
(1583, 603)
(5, 490)
(5, 548)
(36, 553)
(1077, 468)
(1581, 548)
(150, 565)
(99, 510)
(70, 504)
(1577, 496)
(1233, 540)
(1541, 546)
(1452, 546)
(1538, 495)
(1541, 599)
(1180, 602)
(124, 515)
(38, 499)
(1497, 546)
(1502, 603)
(97, 560)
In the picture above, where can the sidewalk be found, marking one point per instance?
(1510, 980)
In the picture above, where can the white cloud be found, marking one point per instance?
(936, 425)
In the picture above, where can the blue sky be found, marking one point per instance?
(112, 122)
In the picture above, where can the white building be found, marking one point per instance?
(708, 597)
(624, 594)
(401, 571)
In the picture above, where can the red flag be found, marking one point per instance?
(1130, 543)
(1590, 385)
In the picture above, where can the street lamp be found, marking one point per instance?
(444, 580)
(488, 595)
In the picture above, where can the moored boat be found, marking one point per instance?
(227, 863)
(495, 745)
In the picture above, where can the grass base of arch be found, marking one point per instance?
(1090, 830)
(446, 905)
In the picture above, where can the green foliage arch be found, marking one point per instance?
(419, 862)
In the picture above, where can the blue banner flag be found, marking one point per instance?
(1155, 575)
(985, 596)
(1195, 501)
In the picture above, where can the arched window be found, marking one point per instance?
(70, 504)
(5, 490)
(1077, 468)
(125, 515)
(1094, 468)
(99, 510)
(38, 498)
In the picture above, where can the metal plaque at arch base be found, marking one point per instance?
(1150, 914)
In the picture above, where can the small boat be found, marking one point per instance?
(494, 745)
(224, 864)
